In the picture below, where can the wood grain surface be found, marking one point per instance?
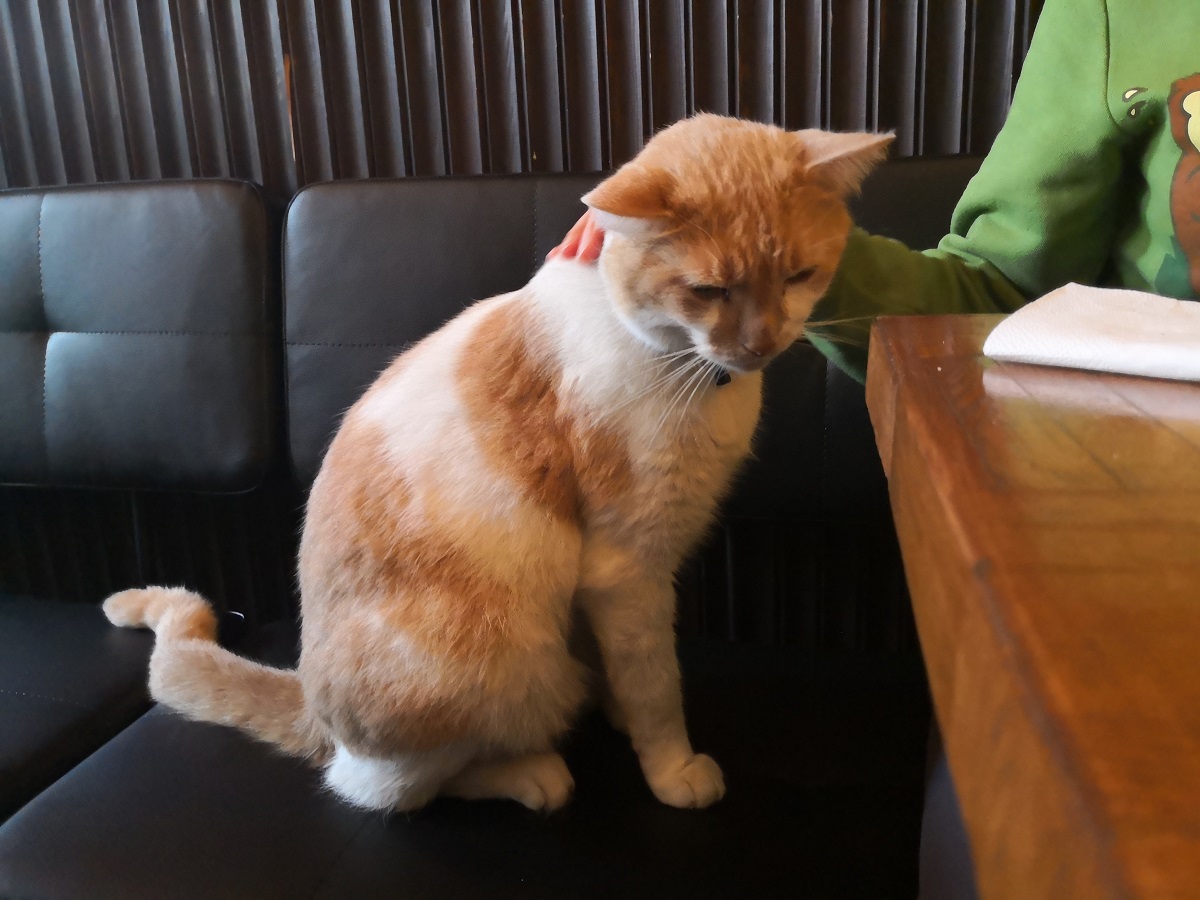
(1050, 525)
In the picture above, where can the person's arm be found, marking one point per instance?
(1042, 210)
(880, 276)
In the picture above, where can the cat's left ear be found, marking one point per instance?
(843, 160)
(633, 201)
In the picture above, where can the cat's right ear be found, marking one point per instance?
(843, 160)
(634, 201)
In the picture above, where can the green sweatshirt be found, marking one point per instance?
(1090, 180)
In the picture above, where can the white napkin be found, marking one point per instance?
(1103, 329)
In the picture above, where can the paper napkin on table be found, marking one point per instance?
(1103, 329)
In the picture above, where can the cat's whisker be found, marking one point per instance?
(684, 352)
(674, 400)
(820, 323)
(697, 376)
(658, 363)
(669, 377)
(838, 339)
(707, 372)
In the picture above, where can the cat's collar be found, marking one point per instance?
(721, 377)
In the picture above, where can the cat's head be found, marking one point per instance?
(724, 233)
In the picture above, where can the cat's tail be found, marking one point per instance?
(193, 675)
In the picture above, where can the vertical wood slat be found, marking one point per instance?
(206, 133)
(898, 71)
(255, 73)
(579, 66)
(159, 33)
(287, 92)
(66, 86)
(945, 53)
(134, 87)
(669, 88)
(754, 37)
(103, 99)
(19, 159)
(848, 67)
(29, 47)
(314, 145)
(420, 66)
(802, 63)
(345, 110)
(627, 120)
(988, 80)
(460, 88)
(542, 88)
(497, 49)
(709, 56)
(381, 88)
(243, 151)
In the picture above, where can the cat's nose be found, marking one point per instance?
(762, 345)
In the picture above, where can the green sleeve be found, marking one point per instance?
(881, 276)
(1042, 210)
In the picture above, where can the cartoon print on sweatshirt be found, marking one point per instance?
(1183, 105)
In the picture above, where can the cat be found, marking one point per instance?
(548, 453)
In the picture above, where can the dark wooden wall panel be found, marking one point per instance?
(287, 92)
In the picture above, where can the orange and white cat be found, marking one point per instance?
(555, 450)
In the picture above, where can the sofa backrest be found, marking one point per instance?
(138, 336)
(371, 267)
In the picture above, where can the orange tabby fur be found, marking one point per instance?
(551, 452)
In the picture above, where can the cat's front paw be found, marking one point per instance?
(693, 782)
(544, 784)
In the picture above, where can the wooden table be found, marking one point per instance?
(1050, 525)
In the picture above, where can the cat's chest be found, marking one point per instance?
(681, 461)
(714, 431)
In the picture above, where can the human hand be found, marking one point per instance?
(583, 242)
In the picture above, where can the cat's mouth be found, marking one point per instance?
(738, 364)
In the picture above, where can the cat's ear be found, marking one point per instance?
(633, 201)
(843, 160)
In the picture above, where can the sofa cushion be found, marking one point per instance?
(137, 336)
(68, 682)
(822, 759)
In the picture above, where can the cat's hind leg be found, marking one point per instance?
(540, 781)
(404, 782)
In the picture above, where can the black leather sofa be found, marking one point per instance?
(146, 344)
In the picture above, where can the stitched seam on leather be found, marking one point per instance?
(336, 344)
(43, 697)
(214, 334)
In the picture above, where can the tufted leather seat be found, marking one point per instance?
(137, 338)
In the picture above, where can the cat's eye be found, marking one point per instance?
(710, 292)
(802, 276)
